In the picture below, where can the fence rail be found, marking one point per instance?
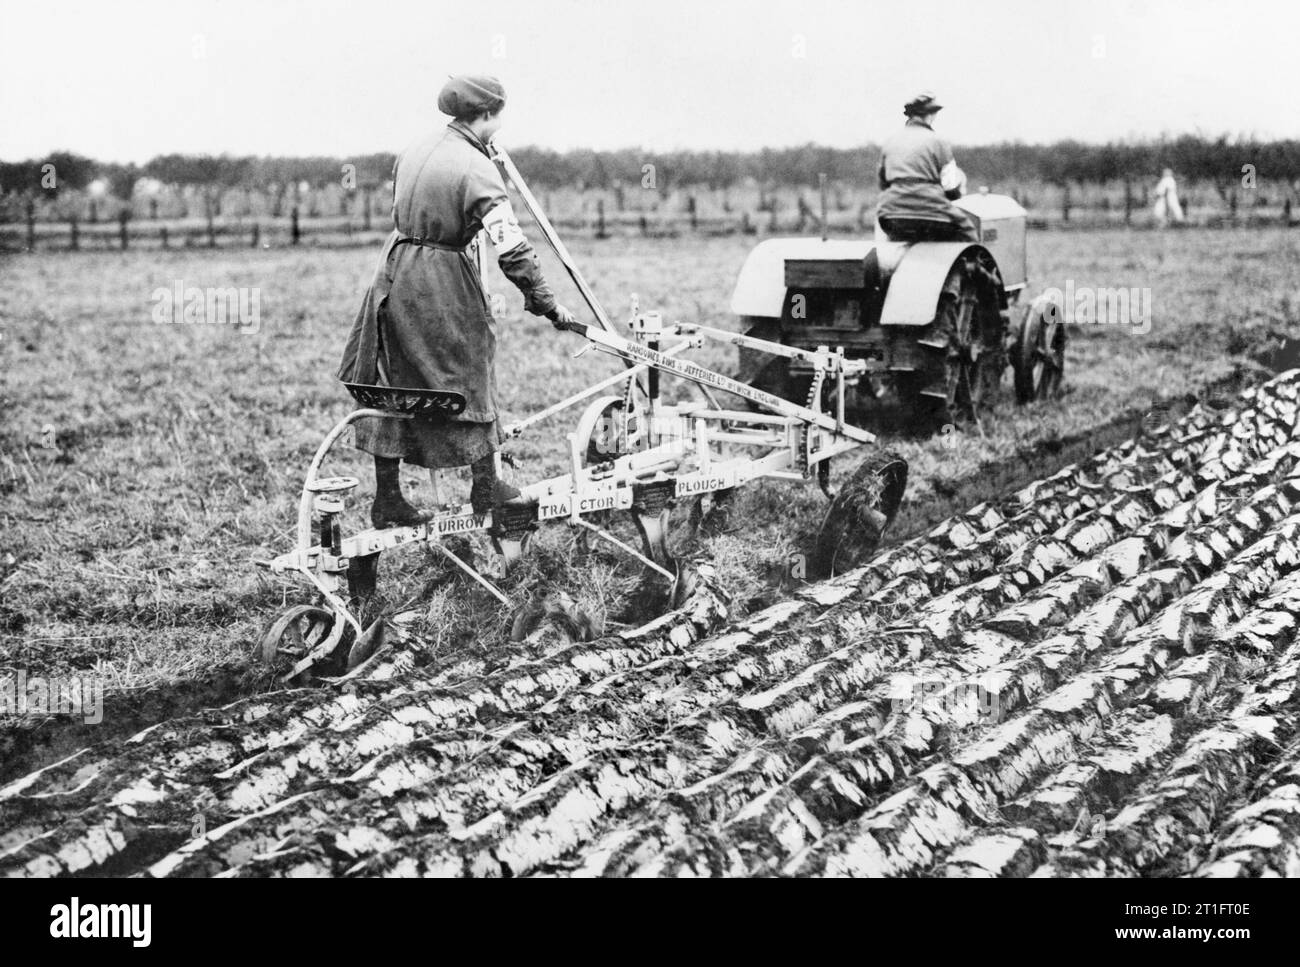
(267, 232)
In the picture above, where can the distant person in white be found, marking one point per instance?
(1166, 195)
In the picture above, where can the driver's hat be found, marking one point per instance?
(923, 103)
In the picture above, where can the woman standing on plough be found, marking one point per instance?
(425, 322)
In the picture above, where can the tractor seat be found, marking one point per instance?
(426, 403)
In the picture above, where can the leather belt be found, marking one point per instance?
(427, 243)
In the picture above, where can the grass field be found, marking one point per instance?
(143, 466)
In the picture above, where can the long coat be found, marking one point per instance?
(425, 322)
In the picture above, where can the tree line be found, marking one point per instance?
(1221, 161)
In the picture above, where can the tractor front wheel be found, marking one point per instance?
(1039, 353)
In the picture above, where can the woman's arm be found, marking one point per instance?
(487, 205)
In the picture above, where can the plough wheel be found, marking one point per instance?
(860, 512)
(295, 633)
(599, 431)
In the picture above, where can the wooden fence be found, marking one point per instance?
(593, 218)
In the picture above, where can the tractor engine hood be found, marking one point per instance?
(760, 289)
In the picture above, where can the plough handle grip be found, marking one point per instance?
(502, 158)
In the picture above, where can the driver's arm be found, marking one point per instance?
(951, 178)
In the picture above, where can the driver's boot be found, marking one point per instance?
(488, 491)
(390, 508)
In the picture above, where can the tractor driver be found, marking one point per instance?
(425, 322)
(919, 181)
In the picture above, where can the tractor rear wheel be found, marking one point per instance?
(960, 357)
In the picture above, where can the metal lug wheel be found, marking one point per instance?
(298, 632)
(860, 513)
(1039, 354)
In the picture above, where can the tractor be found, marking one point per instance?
(937, 323)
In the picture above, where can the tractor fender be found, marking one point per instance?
(914, 289)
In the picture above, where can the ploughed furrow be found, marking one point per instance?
(1262, 837)
(628, 773)
(842, 782)
(858, 710)
(952, 700)
(278, 723)
(148, 795)
(911, 830)
(548, 820)
(1072, 803)
(274, 758)
(1170, 824)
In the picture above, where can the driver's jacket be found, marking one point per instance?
(918, 175)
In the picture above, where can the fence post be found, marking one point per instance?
(825, 214)
(691, 207)
(771, 207)
(122, 217)
(645, 224)
(1128, 201)
(257, 235)
(153, 209)
(74, 242)
(600, 219)
(31, 225)
(163, 235)
(1286, 212)
(1065, 202)
(366, 203)
(295, 232)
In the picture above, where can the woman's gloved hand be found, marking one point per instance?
(562, 318)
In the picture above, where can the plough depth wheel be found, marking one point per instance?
(298, 632)
(860, 513)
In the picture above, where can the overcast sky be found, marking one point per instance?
(129, 79)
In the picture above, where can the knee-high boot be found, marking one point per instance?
(390, 508)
